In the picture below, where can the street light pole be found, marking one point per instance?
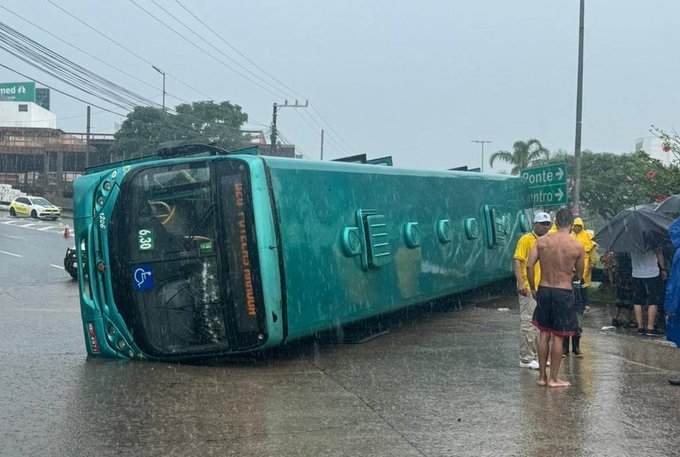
(579, 116)
(482, 143)
(162, 73)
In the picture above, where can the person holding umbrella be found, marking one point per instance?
(649, 272)
(642, 232)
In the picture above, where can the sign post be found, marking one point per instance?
(547, 184)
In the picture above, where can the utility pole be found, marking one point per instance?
(321, 144)
(482, 143)
(162, 73)
(87, 139)
(579, 111)
(272, 138)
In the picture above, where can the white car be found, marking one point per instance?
(35, 207)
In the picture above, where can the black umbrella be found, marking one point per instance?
(638, 229)
(670, 205)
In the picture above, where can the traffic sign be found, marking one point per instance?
(547, 184)
(17, 92)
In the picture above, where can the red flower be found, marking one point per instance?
(660, 198)
(666, 148)
(651, 174)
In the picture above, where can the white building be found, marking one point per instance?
(26, 114)
(654, 147)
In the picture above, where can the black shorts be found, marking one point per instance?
(648, 291)
(555, 311)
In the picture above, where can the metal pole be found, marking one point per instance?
(482, 143)
(163, 91)
(162, 73)
(272, 139)
(321, 144)
(87, 139)
(579, 111)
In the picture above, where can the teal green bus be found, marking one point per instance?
(200, 253)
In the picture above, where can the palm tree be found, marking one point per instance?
(524, 154)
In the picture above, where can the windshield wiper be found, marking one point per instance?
(188, 239)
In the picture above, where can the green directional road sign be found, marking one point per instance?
(17, 92)
(547, 185)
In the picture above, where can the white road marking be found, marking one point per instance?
(38, 226)
(9, 253)
(56, 266)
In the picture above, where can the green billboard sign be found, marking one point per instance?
(17, 92)
(547, 184)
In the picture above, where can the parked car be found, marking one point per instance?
(35, 207)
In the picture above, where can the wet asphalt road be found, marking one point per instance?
(440, 383)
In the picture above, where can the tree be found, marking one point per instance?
(613, 182)
(671, 141)
(214, 123)
(203, 122)
(524, 154)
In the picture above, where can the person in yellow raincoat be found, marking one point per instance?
(586, 239)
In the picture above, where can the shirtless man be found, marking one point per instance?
(561, 257)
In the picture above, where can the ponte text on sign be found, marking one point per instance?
(547, 184)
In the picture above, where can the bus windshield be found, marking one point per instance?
(177, 258)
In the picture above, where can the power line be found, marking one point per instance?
(239, 52)
(65, 80)
(60, 91)
(203, 50)
(214, 47)
(87, 53)
(56, 65)
(333, 130)
(125, 48)
(297, 95)
(331, 140)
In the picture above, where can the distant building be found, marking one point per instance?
(654, 147)
(45, 160)
(26, 115)
(35, 156)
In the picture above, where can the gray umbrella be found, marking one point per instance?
(670, 205)
(639, 229)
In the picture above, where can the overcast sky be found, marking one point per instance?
(415, 80)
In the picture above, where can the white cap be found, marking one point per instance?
(541, 217)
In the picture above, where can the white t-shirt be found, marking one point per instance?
(644, 264)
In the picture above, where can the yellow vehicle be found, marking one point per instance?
(35, 207)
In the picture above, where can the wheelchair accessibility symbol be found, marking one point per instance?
(143, 277)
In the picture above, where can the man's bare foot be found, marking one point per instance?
(558, 383)
(542, 382)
